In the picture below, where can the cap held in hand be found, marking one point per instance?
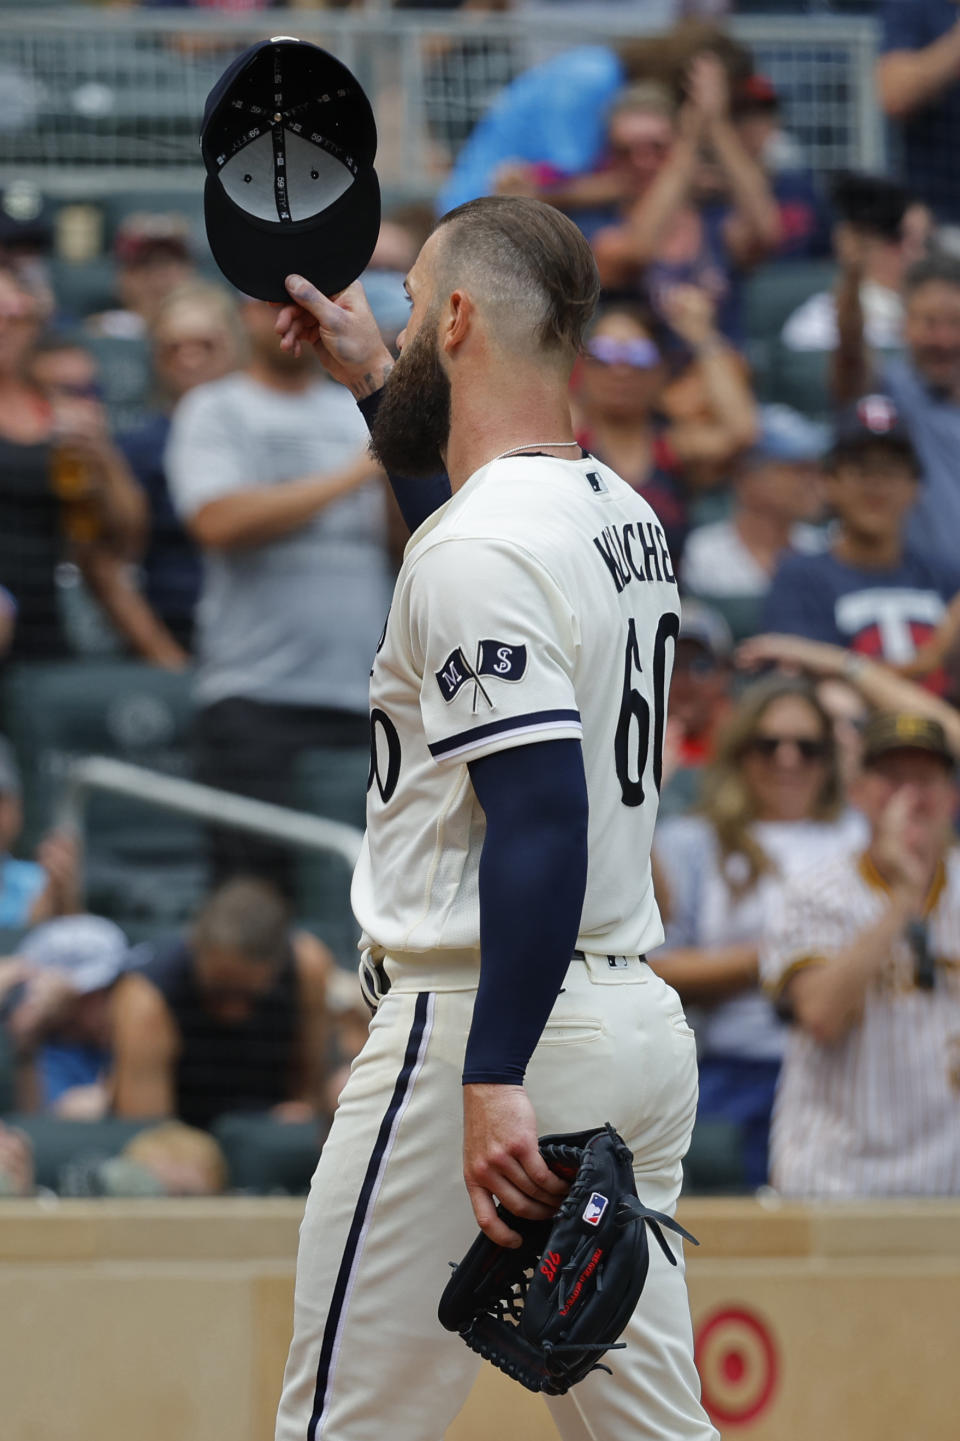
(288, 140)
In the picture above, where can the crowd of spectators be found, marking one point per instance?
(235, 532)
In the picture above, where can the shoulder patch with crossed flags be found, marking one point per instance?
(494, 658)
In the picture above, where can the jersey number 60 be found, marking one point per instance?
(635, 708)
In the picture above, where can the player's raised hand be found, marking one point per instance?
(342, 331)
(501, 1158)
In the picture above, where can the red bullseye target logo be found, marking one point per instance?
(737, 1361)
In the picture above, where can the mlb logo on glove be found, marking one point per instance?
(545, 1312)
(594, 1209)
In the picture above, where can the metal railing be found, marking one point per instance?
(204, 803)
(100, 99)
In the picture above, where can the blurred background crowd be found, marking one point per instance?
(197, 555)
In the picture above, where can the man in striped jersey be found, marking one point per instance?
(865, 957)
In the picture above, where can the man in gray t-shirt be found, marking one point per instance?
(924, 383)
(270, 473)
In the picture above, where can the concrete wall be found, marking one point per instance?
(169, 1322)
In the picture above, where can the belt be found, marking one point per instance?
(375, 983)
(611, 960)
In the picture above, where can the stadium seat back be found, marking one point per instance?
(801, 379)
(741, 612)
(66, 1152)
(331, 783)
(126, 375)
(8, 1073)
(773, 292)
(142, 863)
(265, 1157)
(84, 287)
(714, 1164)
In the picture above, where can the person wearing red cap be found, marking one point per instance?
(153, 257)
(666, 238)
(758, 116)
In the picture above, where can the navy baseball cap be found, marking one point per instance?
(288, 140)
(873, 420)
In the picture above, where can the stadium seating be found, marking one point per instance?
(144, 867)
(770, 295)
(331, 783)
(263, 1156)
(714, 1163)
(8, 1073)
(64, 1152)
(83, 287)
(267, 1158)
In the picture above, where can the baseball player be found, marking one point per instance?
(518, 701)
(866, 955)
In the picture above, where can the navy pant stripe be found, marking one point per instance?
(335, 1315)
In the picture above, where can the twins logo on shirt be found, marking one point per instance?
(494, 658)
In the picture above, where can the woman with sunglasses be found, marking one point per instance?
(772, 804)
(623, 394)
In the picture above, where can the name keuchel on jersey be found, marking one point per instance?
(635, 551)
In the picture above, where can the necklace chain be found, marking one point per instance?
(539, 444)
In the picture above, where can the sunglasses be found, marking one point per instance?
(187, 342)
(82, 391)
(699, 665)
(638, 354)
(623, 149)
(809, 750)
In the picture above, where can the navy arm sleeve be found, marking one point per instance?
(533, 876)
(416, 498)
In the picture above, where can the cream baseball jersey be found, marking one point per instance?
(538, 603)
(878, 1112)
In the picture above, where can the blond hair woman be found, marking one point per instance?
(773, 803)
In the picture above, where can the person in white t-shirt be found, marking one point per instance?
(777, 497)
(882, 234)
(504, 887)
(772, 805)
(269, 474)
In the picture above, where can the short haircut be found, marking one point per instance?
(940, 269)
(54, 342)
(647, 97)
(538, 272)
(245, 915)
(632, 308)
(206, 295)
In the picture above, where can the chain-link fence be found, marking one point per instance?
(112, 99)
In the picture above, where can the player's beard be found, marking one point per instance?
(412, 425)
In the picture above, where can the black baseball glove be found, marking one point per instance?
(547, 1311)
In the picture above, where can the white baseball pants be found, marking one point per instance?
(388, 1209)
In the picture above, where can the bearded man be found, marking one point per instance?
(518, 702)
